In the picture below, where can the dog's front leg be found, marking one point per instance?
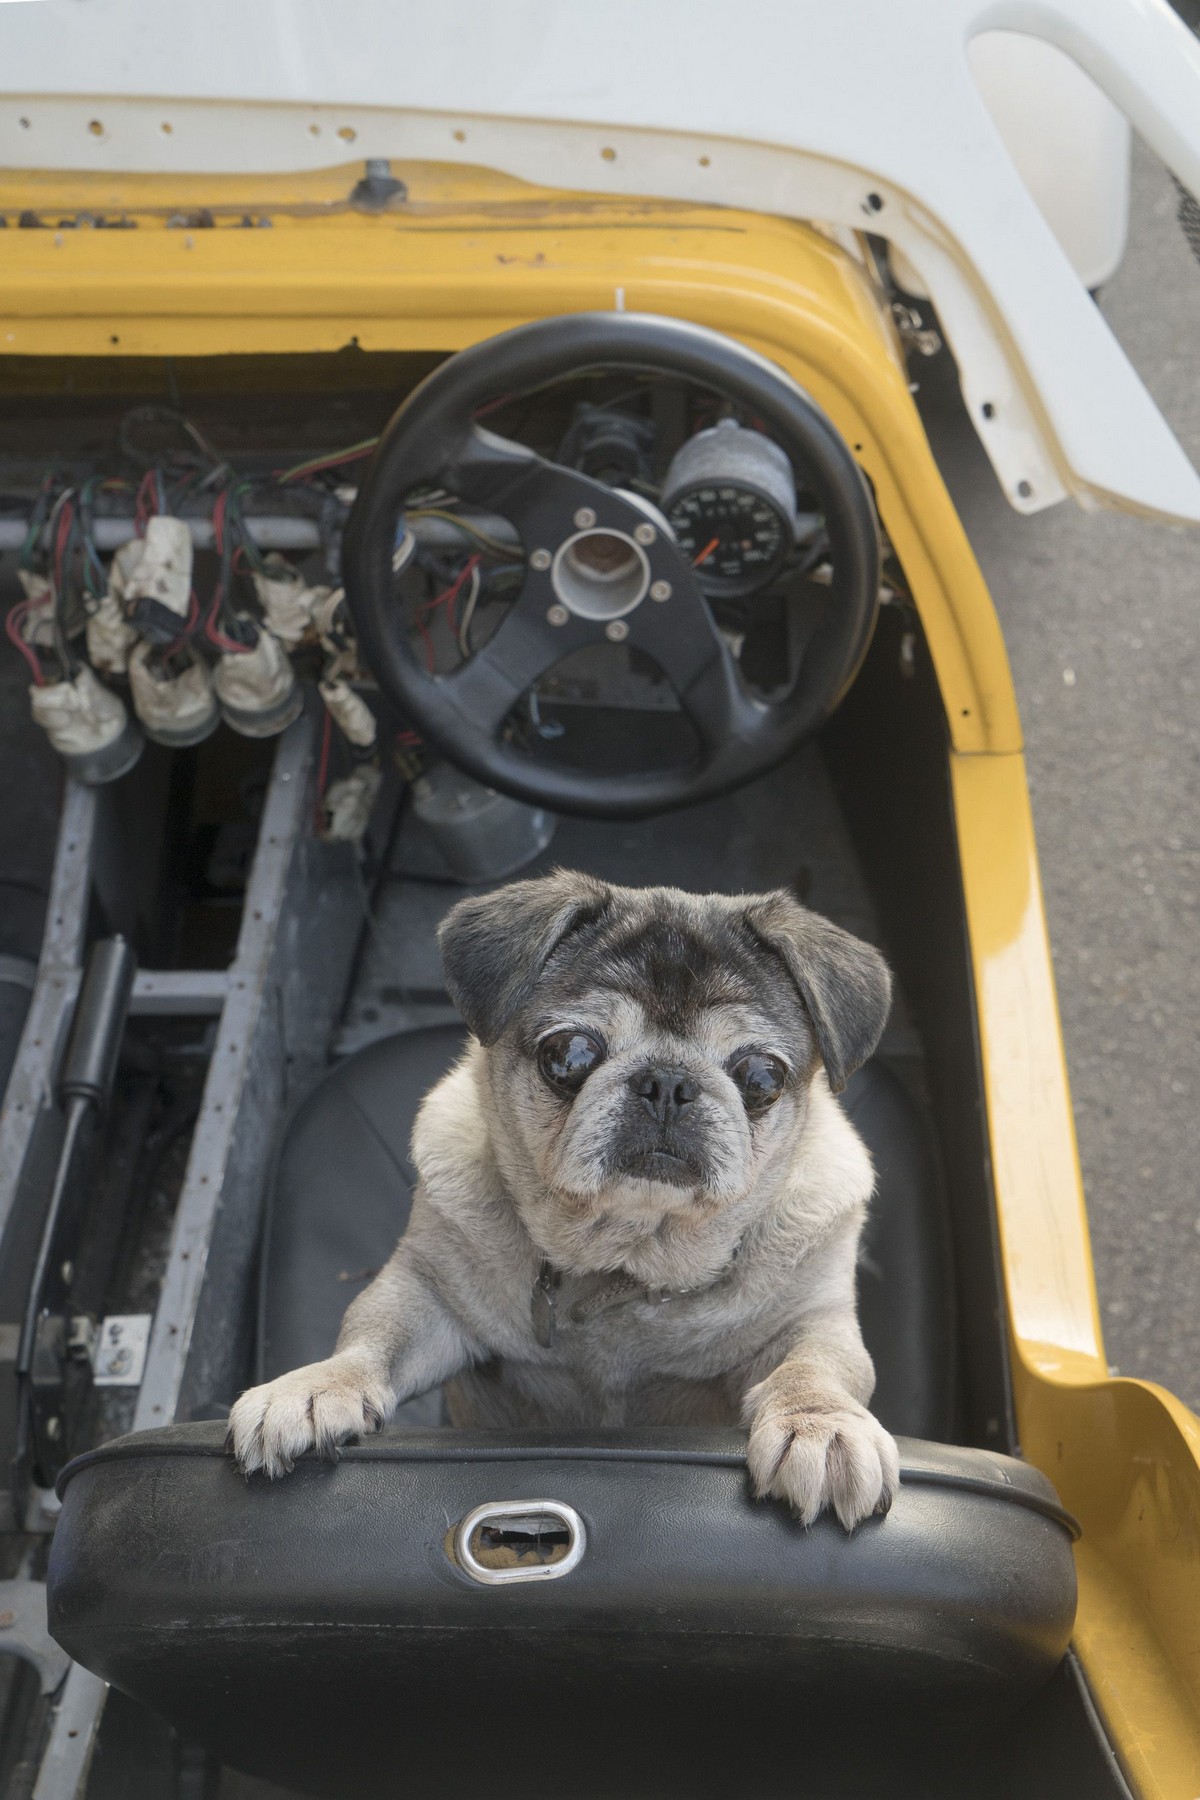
(397, 1340)
(813, 1442)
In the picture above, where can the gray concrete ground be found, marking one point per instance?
(1102, 621)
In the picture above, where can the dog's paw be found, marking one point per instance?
(824, 1453)
(314, 1408)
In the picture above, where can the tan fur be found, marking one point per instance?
(511, 1177)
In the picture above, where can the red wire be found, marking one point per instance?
(146, 504)
(227, 645)
(446, 598)
(12, 625)
(193, 619)
(218, 520)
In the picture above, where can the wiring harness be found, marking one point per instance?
(191, 620)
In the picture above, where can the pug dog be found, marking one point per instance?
(639, 1201)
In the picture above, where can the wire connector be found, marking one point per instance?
(88, 725)
(286, 599)
(110, 637)
(157, 583)
(256, 688)
(347, 806)
(175, 704)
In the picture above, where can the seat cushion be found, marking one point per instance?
(342, 1191)
(344, 1184)
(321, 1632)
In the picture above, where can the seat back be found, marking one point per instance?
(344, 1185)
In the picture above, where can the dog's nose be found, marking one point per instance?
(664, 1092)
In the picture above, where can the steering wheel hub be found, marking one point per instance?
(600, 574)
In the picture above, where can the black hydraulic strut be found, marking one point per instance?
(84, 1090)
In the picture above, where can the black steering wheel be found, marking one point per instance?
(573, 591)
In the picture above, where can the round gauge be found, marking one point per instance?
(730, 498)
(735, 538)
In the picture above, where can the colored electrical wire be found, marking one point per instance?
(14, 619)
(467, 526)
(317, 465)
(446, 598)
(469, 605)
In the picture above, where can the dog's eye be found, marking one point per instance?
(761, 1079)
(566, 1059)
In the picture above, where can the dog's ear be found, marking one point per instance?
(495, 948)
(845, 984)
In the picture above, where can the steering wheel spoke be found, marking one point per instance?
(723, 715)
(493, 472)
(484, 690)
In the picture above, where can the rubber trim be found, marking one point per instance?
(395, 1451)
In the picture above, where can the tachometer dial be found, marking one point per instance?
(735, 539)
(730, 499)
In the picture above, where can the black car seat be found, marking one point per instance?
(344, 1184)
(659, 1636)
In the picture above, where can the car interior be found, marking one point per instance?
(610, 593)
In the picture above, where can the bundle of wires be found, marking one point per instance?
(231, 632)
(56, 548)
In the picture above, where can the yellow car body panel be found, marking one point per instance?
(219, 266)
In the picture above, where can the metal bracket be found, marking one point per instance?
(119, 1356)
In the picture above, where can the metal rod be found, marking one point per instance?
(272, 531)
(78, 1109)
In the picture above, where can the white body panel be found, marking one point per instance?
(1070, 144)
(795, 107)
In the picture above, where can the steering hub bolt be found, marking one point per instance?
(617, 630)
(558, 615)
(585, 518)
(660, 590)
(644, 534)
(541, 559)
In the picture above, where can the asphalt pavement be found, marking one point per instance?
(1102, 618)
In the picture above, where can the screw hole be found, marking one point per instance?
(705, 162)
(95, 127)
(608, 153)
(989, 411)
(166, 128)
(24, 124)
(314, 131)
(460, 137)
(874, 202)
(1024, 489)
(347, 133)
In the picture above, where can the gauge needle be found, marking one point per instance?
(706, 552)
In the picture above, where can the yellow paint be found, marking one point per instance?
(1124, 1455)
(474, 253)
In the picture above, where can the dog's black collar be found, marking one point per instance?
(616, 1291)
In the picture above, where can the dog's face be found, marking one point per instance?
(654, 1049)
